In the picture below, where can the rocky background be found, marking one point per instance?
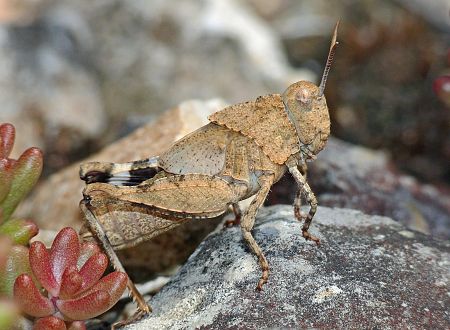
(78, 75)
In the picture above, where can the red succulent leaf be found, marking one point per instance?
(101, 297)
(64, 252)
(113, 283)
(87, 250)
(19, 230)
(5, 178)
(40, 264)
(26, 172)
(30, 299)
(93, 270)
(70, 283)
(75, 294)
(441, 87)
(85, 307)
(7, 135)
(77, 325)
(49, 323)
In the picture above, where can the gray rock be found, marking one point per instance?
(349, 176)
(369, 272)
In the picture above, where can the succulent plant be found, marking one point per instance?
(61, 286)
(17, 178)
(70, 283)
(8, 310)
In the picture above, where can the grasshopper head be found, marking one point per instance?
(307, 109)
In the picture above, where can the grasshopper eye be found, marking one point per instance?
(303, 96)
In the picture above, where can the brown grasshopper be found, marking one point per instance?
(242, 152)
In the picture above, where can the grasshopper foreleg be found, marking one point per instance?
(248, 220)
(310, 198)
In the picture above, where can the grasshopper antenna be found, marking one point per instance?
(333, 46)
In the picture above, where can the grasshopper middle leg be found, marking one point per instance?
(248, 220)
(237, 216)
(310, 198)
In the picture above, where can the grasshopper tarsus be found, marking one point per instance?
(143, 307)
(136, 317)
(231, 223)
(310, 237)
(259, 287)
(263, 279)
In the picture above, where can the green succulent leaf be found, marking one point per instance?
(5, 179)
(20, 231)
(16, 263)
(26, 172)
(9, 313)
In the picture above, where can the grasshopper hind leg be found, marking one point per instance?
(97, 230)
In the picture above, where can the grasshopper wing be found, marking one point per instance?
(193, 195)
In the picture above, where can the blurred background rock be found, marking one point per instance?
(77, 75)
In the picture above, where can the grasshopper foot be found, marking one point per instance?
(310, 237)
(230, 223)
(136, 317)
(237, 217)
(263, 279)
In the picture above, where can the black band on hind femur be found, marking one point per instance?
(95, 176)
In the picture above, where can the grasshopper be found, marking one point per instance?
(242, 152)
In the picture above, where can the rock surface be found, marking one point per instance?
(369, 271)
(349, 176)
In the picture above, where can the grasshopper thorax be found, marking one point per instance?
(307, 110)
